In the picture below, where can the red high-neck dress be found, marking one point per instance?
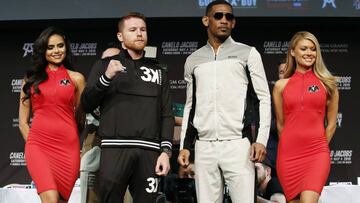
(303, 161)
(52, 149)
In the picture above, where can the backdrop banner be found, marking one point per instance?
(175, 39)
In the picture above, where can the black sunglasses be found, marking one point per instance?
(219, 16)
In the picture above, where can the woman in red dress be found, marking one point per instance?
(51, 92)
(303, 100)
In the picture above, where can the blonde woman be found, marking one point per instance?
(303, 100)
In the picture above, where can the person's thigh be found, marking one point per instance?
(208, 179)
(116, 168)
(144, 183)
(238, 170)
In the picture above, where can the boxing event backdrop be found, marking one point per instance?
(175, 39)
(77, 9)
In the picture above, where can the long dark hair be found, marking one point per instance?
(38, 74)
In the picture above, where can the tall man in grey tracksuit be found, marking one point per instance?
(216, 111)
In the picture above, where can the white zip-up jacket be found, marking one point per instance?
(216, 93)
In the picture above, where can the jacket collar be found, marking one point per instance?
(125, 53)
(226, 43)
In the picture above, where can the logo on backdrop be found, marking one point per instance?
(28, 49)
(344, 83)
(234, 3)
(275, 47)
(287, 4)
(16, 85)
(15, 122)
(83, 49)
(78, 49)
(328, 2)
(334, 47)
(177, 84)
(178, 48)
(339, 120)
(17, 159)
(341, 156)
(357, 4)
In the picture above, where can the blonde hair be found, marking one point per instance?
(319, 67)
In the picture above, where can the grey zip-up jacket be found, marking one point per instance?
(216, 93)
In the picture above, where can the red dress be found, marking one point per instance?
(52, 149)
(303, 161)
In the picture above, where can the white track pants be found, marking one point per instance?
(219, 161)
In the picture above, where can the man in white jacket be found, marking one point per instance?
(223, 77)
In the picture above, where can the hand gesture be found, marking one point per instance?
(113, 68)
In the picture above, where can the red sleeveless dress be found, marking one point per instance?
(52, 149)
(303, 161)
